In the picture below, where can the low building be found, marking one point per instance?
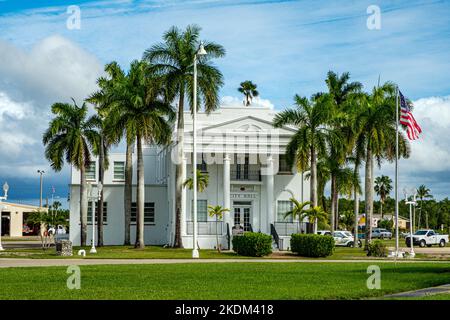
(403, 223)
(14, 217)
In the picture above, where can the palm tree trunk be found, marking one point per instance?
(420, 215)
(313, 181)
(381, 209)
(368, 197)
(217, 236)
(333, 207)
(101, 173)
(179, 171)
(128, 190)
(140, 198)
(83, 206)
(356, 211)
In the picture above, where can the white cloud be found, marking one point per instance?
(229, 101)
(53, 70)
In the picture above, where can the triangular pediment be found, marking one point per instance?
(246, 124)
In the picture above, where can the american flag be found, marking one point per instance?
(407, 119)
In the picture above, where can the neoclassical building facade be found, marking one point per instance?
(243, 156)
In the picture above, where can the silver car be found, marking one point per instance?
(381, 233)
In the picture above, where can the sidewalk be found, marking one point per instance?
(422, 292)
(11, 263)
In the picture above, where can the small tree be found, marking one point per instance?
(202, 181)
(314, 214)
(217, 211)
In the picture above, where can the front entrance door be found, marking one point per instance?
(242, 214)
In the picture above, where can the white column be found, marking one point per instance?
(270, 190)
(226, 188)
(183, 217)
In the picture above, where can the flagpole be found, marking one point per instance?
(396, 172)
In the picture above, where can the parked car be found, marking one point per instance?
(324, 232)
(344, 239)
(427, 237)
(381, 233)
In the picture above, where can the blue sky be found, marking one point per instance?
(286, 47)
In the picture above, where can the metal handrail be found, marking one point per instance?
(206, 228)
(288, 228)
(275, 236)
(228, 236)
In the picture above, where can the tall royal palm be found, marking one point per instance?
(145, 119)
(249, 90)
(71, 137)
(173, 59)
(383, 186)
(107, 100)
(310, 118)
(341, 92)
(423, 193)
(376, 124)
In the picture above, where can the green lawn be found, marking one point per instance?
(220, 281)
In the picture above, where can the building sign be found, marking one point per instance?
(243, 195)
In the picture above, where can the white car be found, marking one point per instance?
(427, 237)
(324, 232)
(344, 239)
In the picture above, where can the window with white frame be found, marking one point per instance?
(202, 210)
(89, 213)
(284, 206)
(119, 170)
(283, 166)
(90, 171)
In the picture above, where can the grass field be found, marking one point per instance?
(220, 281)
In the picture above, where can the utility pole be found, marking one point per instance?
(41, 172)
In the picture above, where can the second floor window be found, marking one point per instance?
(90, 171)
(201, 165)
(119, 170)
(283, 166)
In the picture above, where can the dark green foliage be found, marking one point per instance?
(386, 224)
(312, 245)
(377, 249)
(253, 244)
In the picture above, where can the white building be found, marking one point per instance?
(244, 157)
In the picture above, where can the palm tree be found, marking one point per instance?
(341, 92)
(376, 127)
(107, 100)
(173, 59)
(145, 119)
(298, 210)
(218, 212)
(202, 181)
(248, 89)
(71, 137)
(309, 117)
(383, 186)
(423, 193)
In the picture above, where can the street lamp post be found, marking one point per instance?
(5, 197)
(195, 254)
(41, 172)
(94, 197)
(411, 203)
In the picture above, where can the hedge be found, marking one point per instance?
(312, 245)
(252, 244)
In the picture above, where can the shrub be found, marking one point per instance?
(377, 249)
(312, 245)
(252, 244)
